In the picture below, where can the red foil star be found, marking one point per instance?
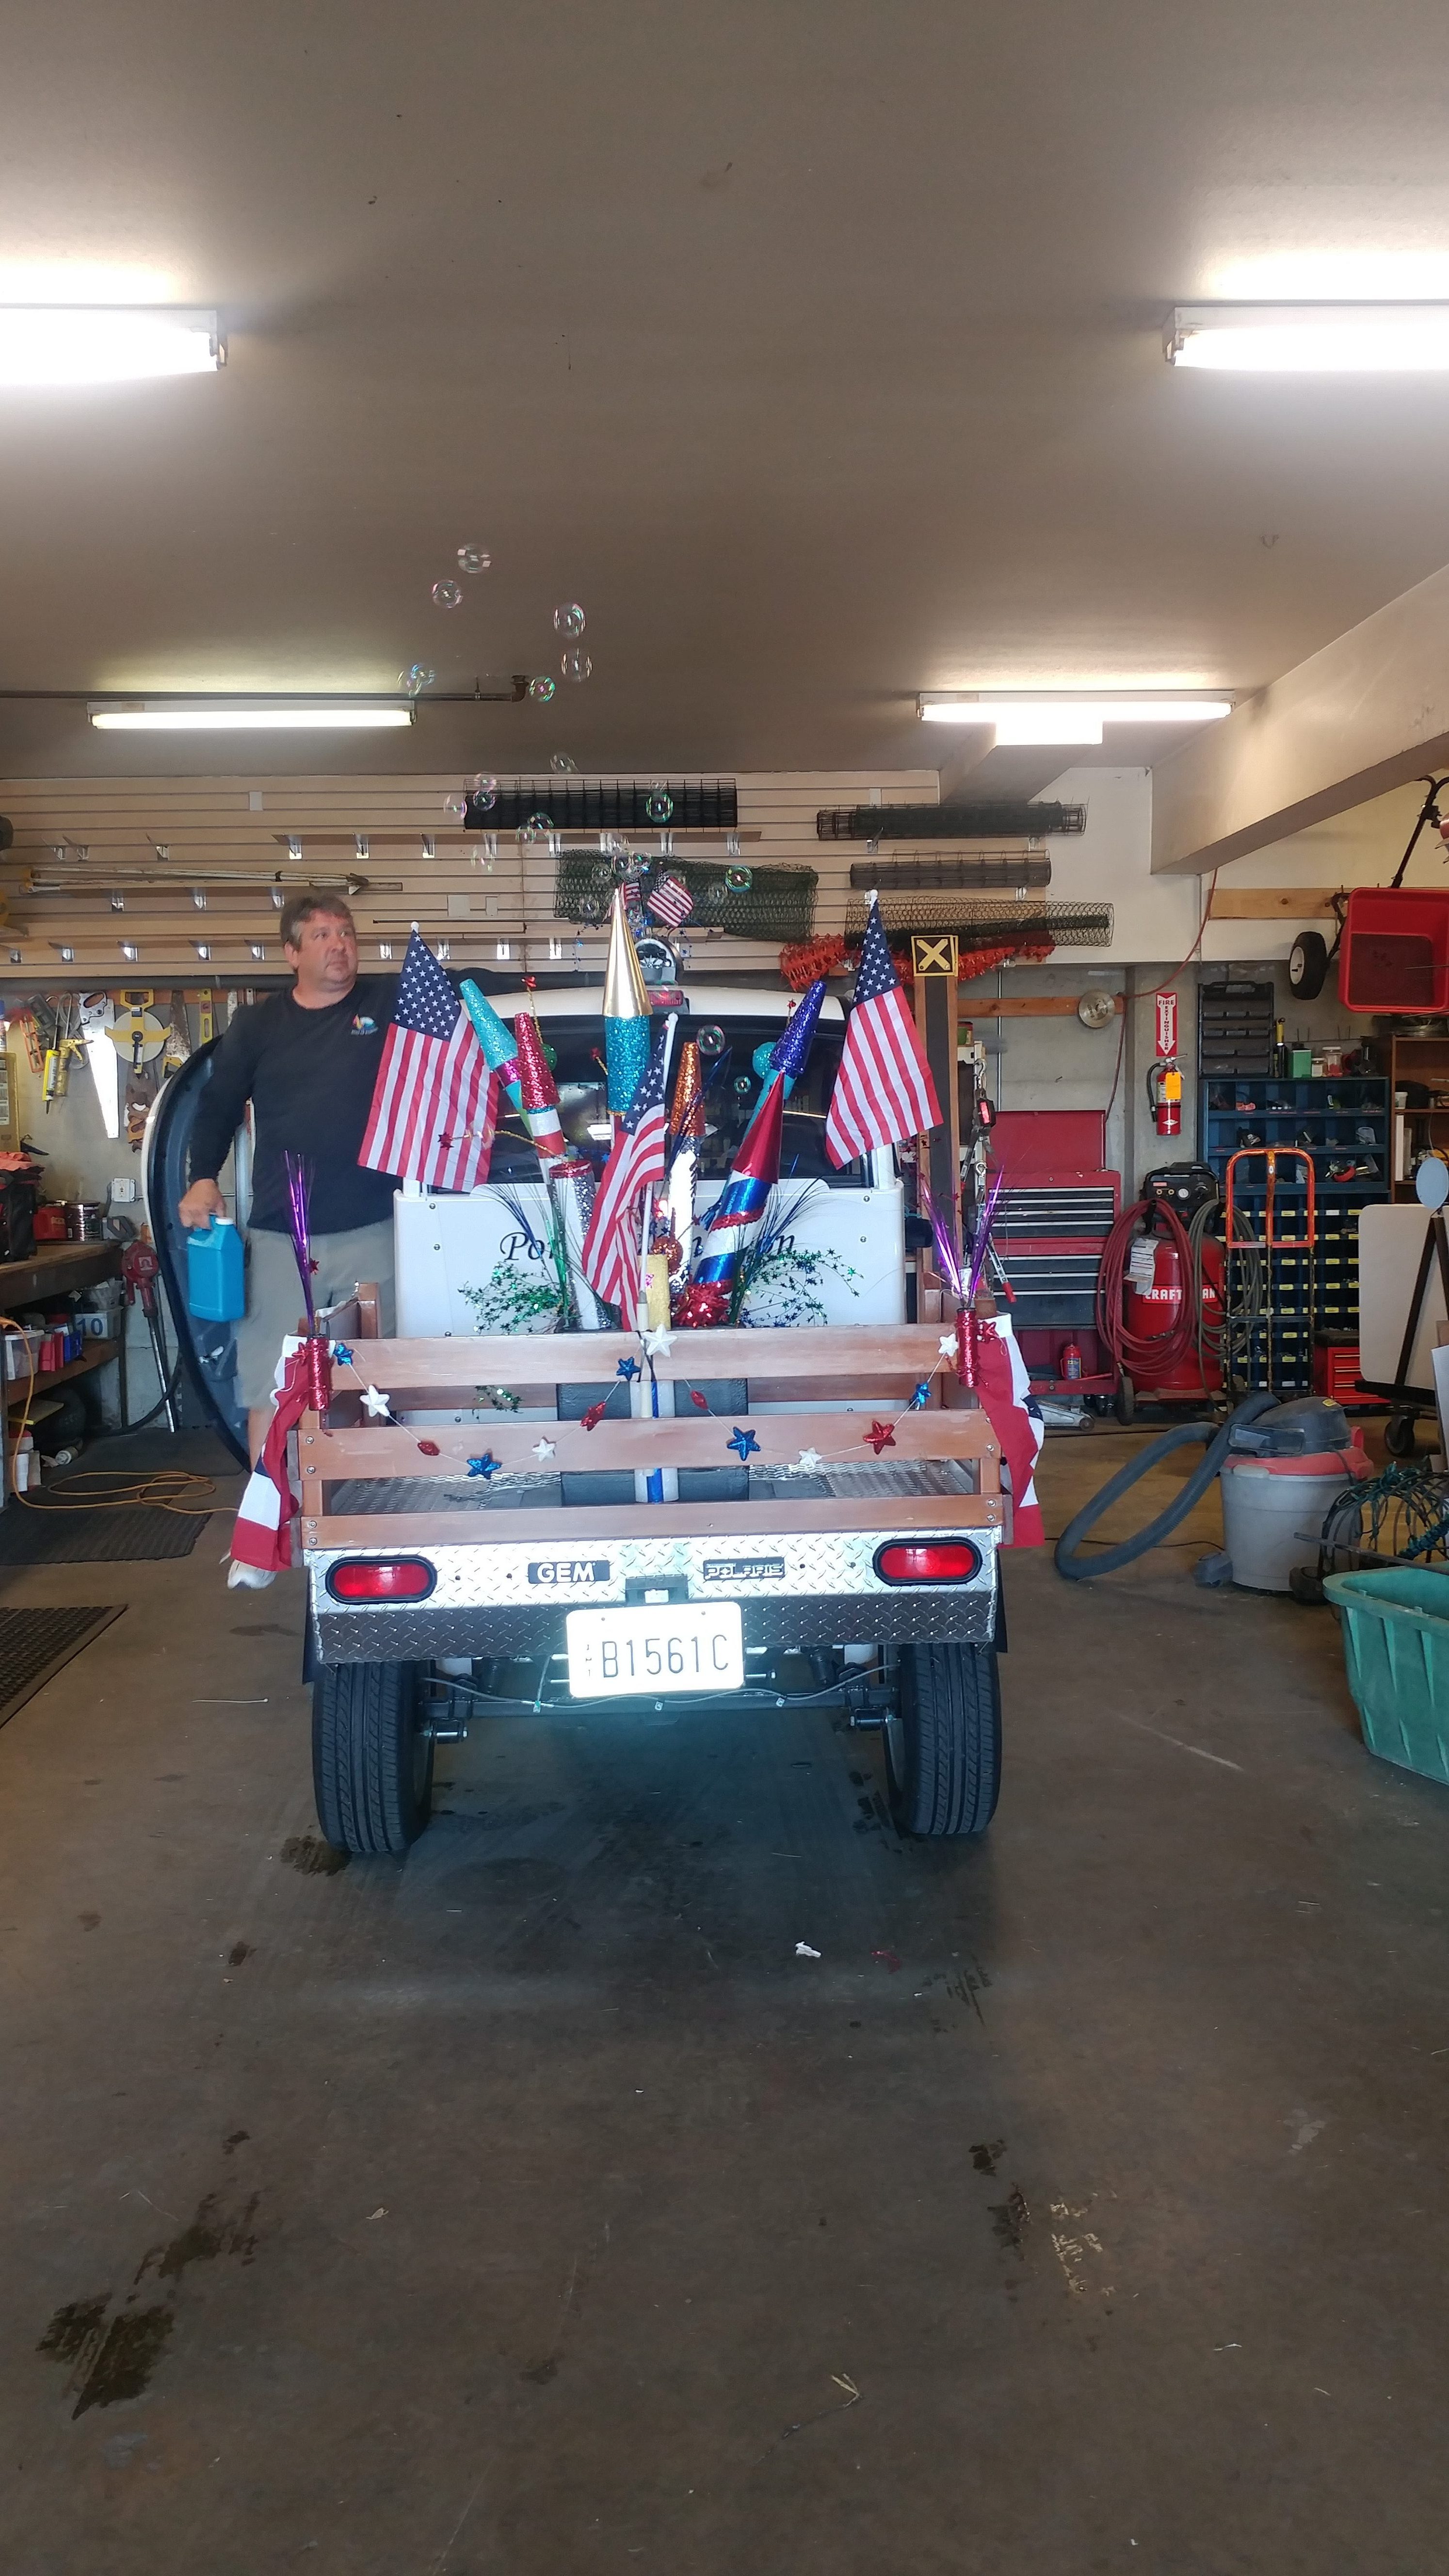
(595, 1415)
(880, 1436)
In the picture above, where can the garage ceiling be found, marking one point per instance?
(814, 348)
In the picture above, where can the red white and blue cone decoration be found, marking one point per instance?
(540, 1093)
(741, 1202)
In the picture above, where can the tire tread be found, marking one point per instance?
(951, 1714)
(362, 1757)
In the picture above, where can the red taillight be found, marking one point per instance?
(929, 1560)
(381, 1578)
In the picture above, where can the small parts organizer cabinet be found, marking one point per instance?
(1343, 1121)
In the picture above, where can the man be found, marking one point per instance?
(307, 1060)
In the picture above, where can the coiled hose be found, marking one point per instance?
(1076, 1569)
(1144, 1354)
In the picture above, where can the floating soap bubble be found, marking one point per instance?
(541, 690)
(416, 676)
(569, 620)
(536, 829)
(473, 559)
(590, 908)
(562, 765)
(744, 1084)
(484, 791)
(739, 880)
(612, 845)
(658, 805)
(447, 594)
(576, 664)
(457, 806)
(624, 864)
(711, 1041)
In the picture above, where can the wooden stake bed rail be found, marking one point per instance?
(882, 1366)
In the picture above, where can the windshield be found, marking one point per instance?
(731, 1096)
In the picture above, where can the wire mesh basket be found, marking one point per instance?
(771, 903)
(568, 804)
(981, 923)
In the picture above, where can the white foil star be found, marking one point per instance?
(658, 1342)
(947, 1346)
(377, 1404)
(810, 1461)
(543, 1449)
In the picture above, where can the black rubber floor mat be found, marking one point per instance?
(42, 1534)
(36, 1643)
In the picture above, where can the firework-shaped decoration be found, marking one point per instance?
(686, 1132)
(540, 1093)
(496, 1038)
(792, 1048)
(626, 1013)
(573, 1186)
(741, 1202)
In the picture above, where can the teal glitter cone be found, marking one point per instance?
(626, 1053)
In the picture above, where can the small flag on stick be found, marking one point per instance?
(435, 1103)
(611, 1260)
(883, 1091)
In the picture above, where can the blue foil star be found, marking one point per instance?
(627, 1369)
(922, 1395)
(487, 1465)
(743, 1443)
(342, 1354)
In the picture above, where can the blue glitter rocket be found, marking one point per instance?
(741, 1203)
(627, 1014)
(791, 1049)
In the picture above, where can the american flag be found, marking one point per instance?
(435, 1103)
(883, 1091)
(670, 900)
(611, 1256)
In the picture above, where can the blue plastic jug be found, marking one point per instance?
(216, 1288)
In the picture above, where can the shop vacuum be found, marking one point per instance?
(1281, 1465)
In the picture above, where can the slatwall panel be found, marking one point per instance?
(85, 841)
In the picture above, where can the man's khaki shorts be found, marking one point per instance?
(274, 1295)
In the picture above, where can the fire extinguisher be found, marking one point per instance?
(1164, 1081)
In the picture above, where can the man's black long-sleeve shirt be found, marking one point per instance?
(309, 1076)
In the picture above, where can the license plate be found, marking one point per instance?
(678, 1646)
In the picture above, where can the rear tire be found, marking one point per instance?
(372, 1755)
(1400, 1435)
(943, 1740)
(1124, 1402)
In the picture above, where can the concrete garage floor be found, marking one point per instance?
(533, 2207)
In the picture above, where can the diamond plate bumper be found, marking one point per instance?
(508, 1597)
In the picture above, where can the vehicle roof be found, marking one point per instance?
(701, 1002)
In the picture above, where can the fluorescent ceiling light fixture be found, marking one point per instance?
(1067, 718)
(291, 715)
(1310, 339)
(106, 344)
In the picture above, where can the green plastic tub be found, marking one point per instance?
(1396, 1649)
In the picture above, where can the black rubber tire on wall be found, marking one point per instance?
(943, 1743)
(1307, 965)
(372, 1755)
